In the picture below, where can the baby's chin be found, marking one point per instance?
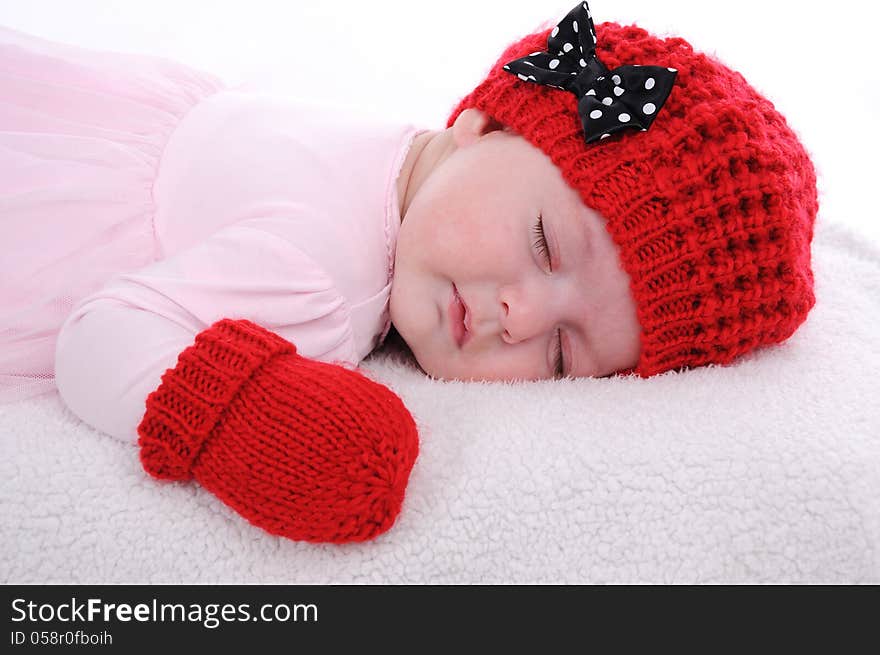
(431, 369)
(439, 368)
(395, 342)
(429, 365)
(425, 364)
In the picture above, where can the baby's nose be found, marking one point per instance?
(523, 315)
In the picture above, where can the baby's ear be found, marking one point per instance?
(471, 124)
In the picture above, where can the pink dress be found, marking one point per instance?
(141, 200)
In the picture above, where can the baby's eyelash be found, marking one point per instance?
(558, 367)
(541, 245)
(541, 241)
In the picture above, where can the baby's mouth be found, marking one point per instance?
(459, 318)
(467, 313)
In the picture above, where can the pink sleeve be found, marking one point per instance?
(114, 347)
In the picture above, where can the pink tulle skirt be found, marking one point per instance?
(81, 135)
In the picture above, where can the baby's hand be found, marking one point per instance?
(303, 449)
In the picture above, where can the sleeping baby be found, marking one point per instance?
(199, 269)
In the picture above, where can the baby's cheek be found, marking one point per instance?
(493, 237)
(446, 235)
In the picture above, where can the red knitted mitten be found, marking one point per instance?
(303, 449)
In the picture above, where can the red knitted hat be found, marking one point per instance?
(712, 208)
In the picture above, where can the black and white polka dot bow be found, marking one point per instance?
(608, 101)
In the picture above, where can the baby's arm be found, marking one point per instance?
(109, 358)
(116, 344)
(166, 357)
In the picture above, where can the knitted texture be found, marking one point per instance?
(303, 449)
(712, 209)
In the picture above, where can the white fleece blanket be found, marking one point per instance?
(764, 471)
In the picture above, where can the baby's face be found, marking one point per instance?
(471, 228)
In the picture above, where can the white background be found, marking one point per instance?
(413, 60)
